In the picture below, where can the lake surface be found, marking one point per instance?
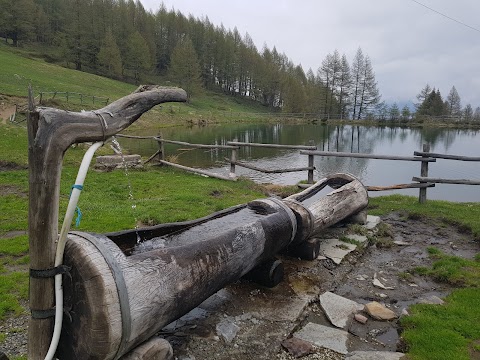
(357, 139)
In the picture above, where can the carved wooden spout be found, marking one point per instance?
(50, 133)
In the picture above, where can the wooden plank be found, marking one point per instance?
(197, 171)
(445, 156)
(136, 137)
(151, 157)
(275, 146)
(400, 186)
(199, 146)
(267, 171)
(366, 156)
(445, 181)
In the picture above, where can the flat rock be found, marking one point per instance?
(360, 318)
(432, 300)
(335, 249)
(288, 309)
(338, 309)
(118, 161)
(324, 336)
(379, 311)
(372, 222)
(374, 355)
(227, 329)
(297, 347)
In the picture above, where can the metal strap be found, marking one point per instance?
(48, 273)
(121, 287)
(43, 314)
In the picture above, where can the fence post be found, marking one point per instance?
(161, 149)
(233, 159)
(422, 194)
(310, 164)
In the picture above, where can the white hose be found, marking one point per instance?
(72, 205)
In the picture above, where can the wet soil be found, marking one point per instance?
(262, 317)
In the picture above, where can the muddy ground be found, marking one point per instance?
(263, 315)
(262, 318)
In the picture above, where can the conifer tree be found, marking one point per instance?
(184, 69)
(453, 103)
(137, 58)
(109, 56)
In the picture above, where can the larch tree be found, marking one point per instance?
(468, 113)
(109, 56)
(422, 95)
(358, 69)
(344, 87)
(453, 103)
(184, 68)
(369, 94)
(476, 114)
(406, 113)
(138, 57)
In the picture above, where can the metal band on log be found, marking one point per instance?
(165, 276)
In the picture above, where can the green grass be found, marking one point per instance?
(17, 72)
(452, 330)
(464, 215)
(444, 332)
(452, 269)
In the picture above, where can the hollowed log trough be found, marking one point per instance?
(126, 286)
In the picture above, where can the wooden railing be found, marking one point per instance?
(421, 182)
(69, 96)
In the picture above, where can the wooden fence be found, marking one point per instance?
(421, 182)
(73, 96)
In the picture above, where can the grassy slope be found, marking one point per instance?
(19, 69)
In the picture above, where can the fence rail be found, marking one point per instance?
(421, 182)
(73, 95)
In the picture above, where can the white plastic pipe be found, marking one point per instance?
(72, 205)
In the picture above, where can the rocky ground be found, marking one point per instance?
(247, 321)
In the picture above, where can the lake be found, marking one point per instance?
(345, 138)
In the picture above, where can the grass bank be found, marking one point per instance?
(452, 330)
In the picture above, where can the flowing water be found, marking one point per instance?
(118, 149)
(344, 138)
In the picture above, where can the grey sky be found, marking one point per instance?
(408, 44)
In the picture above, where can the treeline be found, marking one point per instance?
(431, 106)
(120, 39)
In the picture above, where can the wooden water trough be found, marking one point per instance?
(126, 286)
(123, 287)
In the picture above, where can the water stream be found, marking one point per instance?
(118, 149)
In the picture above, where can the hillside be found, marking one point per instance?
(19, 69)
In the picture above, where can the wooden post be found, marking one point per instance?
(67, 96)
(310, 164)
(50, 134)
(161, 148)
(422, 193)
(233, 159)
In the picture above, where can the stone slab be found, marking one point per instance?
(324, 336)
(374, 355)
(372, 222)
(335, 249)
(338, 309)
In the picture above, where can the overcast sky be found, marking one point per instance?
(408, 44)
